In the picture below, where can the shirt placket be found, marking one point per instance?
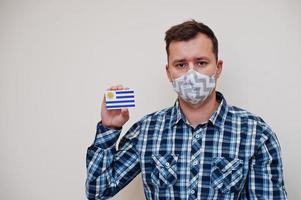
(197, 135)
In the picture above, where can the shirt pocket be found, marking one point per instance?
(226, 174)
(164, 173)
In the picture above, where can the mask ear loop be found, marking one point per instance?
(213, 76)
(215, 73)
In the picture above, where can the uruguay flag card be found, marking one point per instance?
(117, 99)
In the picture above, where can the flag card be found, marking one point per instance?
(117, 99)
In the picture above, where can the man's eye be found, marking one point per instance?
(202, 63)
(180, 65)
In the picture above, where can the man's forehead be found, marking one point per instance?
(199, 46)
(199, 38)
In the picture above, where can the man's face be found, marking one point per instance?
(196, 54)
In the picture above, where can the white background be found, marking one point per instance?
(58, 57)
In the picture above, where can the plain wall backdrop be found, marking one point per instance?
(58, 57)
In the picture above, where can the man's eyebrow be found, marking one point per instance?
(178, 60)
(202, 58)
(198, 58)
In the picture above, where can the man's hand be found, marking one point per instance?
(114, 118)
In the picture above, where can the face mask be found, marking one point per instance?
(193, 86)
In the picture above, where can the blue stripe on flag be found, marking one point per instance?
(125, 101)
(123, 97)
(121, 106)
(125, 92)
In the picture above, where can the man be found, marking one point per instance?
(200, 148)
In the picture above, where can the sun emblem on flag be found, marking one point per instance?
(110, 95)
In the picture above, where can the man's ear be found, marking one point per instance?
(168, 73)
(219, 68)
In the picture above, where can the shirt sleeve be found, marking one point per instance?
(109, 169)
(265, 180)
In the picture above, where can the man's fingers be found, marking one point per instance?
(103, 106)
(113, 88)
(116, 87)
(120, 87)
(125, 111)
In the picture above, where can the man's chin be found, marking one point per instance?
(189, 104)
(198, 104)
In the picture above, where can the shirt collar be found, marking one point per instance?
(217, 118)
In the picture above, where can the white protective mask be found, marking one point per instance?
(193, 86)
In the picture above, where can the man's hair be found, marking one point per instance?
(188, 30)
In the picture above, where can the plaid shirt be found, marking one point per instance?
(235, 155)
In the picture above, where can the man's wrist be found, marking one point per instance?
(109, 126)
(106, 137)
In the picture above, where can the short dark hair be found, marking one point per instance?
(188, 30)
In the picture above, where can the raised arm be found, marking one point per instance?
(110, 169)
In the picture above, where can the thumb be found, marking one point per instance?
(125, 112)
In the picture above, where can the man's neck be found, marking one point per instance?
(201, 112)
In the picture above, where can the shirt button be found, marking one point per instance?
(167, 164)
(195, 162)
(192, 192)
(197, 136)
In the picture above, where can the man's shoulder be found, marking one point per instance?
(243, 113)
(158, 115)
(250, 120)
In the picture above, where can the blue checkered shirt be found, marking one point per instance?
(235, 155)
